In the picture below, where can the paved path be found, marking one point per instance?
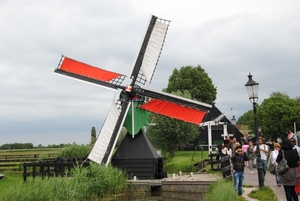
(252, 179)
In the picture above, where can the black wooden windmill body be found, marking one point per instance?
(133, 152)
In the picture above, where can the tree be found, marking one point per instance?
(194, 80)
(93, 135)
(245, 118)
(171, 134)
(280, 94)
(277, 114)
(190, 82)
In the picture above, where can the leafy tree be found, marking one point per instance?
(297, 99)
(280, 94)
(93, 135)
(276, 115)
(170, 134)
(190, 82)
(17, 146)
(245, 118)
(194, 80)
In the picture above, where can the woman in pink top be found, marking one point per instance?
(244, 149)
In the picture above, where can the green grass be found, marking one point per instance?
(29, 151)
(10, 179)
(263, 194)
(184, 161)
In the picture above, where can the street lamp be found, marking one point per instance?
(233, 122)
(252, 89)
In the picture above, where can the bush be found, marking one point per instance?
(75, 151)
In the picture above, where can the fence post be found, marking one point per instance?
(24, 172)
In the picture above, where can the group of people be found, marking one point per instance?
(245, 155)
(291, 152)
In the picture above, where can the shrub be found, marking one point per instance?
(75, 151)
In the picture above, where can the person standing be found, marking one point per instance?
(272, 161)
(290, 178)
(226, 141)
(238, 162)
(291, 135)
(264, 150)
(296, 147)
(251, 156)
(245, 148)
(232, 144)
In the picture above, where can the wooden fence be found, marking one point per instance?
(14, 162)
(223, 164)
(57, 167)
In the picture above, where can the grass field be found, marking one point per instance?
(12, 160)
(10, 179)
(29, 151)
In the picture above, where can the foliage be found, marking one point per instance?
(93, 135)
(263, 194)
(194, 80)
(277, 114)
(89, 183)
(280, 94)
(171, 134)
(222, 191)
(75, 151)
(42, 157)
(16, 146)
(245, 118)
(190, 82)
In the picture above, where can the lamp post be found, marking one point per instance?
(252, 89)
(233, 122)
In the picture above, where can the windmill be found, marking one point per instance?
(158, 102)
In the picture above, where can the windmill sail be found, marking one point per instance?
(150, 50)
(88, 73)
(175, 111)
(103, 146)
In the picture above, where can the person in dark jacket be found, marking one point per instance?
(238, 163)
(289, 179)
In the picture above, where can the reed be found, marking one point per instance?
(91, 183)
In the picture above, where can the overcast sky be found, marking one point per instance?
(228, 39)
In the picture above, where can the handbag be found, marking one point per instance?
(282, 167)
(272, 168)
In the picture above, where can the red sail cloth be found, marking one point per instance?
(79, 68)
(175, 111)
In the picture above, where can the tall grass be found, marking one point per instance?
(222, 191)
(90, 183)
